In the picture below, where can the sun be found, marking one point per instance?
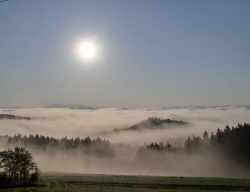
(87, 50)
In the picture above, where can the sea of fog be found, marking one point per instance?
(58, 123)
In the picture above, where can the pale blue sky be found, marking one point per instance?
(150, 53)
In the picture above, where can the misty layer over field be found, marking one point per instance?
(73, 123)
(59, 123)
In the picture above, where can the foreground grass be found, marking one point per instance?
(97, 183)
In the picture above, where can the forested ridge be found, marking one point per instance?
(152, 123)
(233, 143)
(8, 116)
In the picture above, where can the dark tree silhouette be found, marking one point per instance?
(232, 143)
(205, 136)
(17, 163)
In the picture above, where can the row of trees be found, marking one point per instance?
(8, 116)
(231, 142)
(98, 146)
(17, 164)
(234, 142)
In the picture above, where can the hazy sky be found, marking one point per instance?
(155, 53)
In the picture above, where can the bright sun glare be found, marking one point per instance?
(87, 50)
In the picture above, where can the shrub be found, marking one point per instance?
(34, 177)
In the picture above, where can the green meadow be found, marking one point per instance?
(97, 183)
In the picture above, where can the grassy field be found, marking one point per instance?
(84, 182)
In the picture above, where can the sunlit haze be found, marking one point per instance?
(133, 55)
(125, 95)
(87, 50)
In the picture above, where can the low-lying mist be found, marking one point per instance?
(58, 123)
(73, 123)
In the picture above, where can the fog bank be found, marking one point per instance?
(59, 123)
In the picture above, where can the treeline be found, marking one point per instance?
(8, 116)
(152, 123)
(233, 143)
(98, 146)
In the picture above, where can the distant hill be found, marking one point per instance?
(15, 107)
(8, 116)
(222, 107)
(89, 107)
(82, 107)
(153, 123)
